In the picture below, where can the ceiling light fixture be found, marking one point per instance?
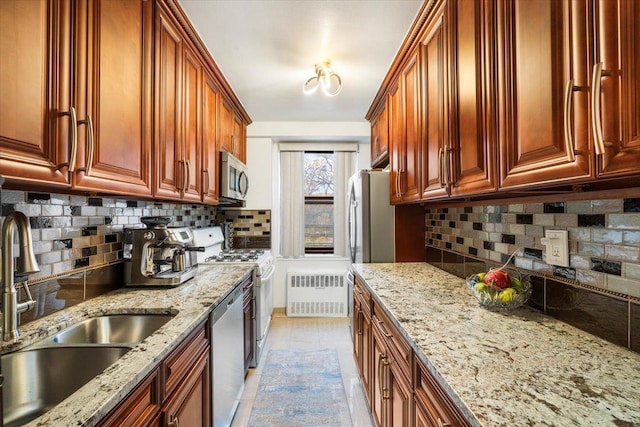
(329, 81)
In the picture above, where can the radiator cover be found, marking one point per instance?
(317, 294)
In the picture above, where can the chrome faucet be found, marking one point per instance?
(27, 264)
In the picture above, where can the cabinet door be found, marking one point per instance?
(379, 139)
(139, 407)
(210, 157)
(400, 396)
(226, 126)
(411, 137)
(379, 364)
(616, 105)
(113, 91)
(169, 171)
(35, 62)
(190, 404)
(362, 342)
(397, 160)
(434, 180)
(541, 52)
(470, 151)
(191, 158)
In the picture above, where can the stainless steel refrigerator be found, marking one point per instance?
(370, 217)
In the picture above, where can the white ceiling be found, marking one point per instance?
(267, 49)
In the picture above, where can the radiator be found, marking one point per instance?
(321, 294)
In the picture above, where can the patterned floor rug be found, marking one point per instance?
(301, 388)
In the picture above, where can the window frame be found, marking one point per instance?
(320, 200)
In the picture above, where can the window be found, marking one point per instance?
(319, 185)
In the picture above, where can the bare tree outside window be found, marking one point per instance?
(319, 187)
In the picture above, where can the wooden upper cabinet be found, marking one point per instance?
(178, 139)
(542, 85)
(35, 91)
(404, 133)
(380, 139)
(470, 153)
(434, 178)
(210, 157)
(192, 125)
(397, 156)
(616, 87)
(169, 173)
(232, 131)
(410, 84)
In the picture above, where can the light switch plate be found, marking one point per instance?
(557, 250)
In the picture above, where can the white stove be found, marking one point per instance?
(212, 238)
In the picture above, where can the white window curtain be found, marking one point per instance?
(292, 194)
(292, 203)
(344, 167)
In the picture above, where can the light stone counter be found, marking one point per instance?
(520, 368)
(191, 302)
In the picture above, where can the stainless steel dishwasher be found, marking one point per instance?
(227, 355)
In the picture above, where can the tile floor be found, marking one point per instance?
(310, 333)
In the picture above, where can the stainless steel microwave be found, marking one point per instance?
(234, 182)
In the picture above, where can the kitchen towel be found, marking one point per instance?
(301, 388)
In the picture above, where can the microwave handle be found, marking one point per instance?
(243, 178)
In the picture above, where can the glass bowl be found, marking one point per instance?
(494, 299)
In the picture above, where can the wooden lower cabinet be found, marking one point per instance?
(391, 397)
(362, 335)
(399, 388)
(140, 408)
(190, 404)
(176, 393)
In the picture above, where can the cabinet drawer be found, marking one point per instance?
(360, 292)
(398, 346)
(436, 405)
(140, 406)
(177, 365)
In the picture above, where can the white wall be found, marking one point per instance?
(262, 162)
(260, 165)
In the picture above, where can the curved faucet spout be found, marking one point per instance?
(27, 264)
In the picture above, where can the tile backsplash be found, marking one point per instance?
(71, 233)
(250, 228)
(598, 292)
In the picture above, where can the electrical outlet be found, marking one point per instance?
(557, 251)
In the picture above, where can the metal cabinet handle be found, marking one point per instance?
(446, 158)
(383, 329)
(90, 150)
(441, 166)
(187, 179)
(596, 119)
(568, 107)
(206, 181)
(174, 423)
(181, 174)
(380, 388)
(73, 129)
(568, 122)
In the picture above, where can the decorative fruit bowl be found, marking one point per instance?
(499, 290)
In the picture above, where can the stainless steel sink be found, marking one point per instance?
(114, 329)
(36, 380)
(42, 375)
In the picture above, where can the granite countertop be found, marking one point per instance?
(191, 302)
(506, 369)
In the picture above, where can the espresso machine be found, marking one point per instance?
(159, 255)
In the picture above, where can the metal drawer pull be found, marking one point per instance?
(568, 122)
(90, 150)
(206, 181)
(73, 129)
(188, 177)
(441, 166)
(596, 119)
(174, 423)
